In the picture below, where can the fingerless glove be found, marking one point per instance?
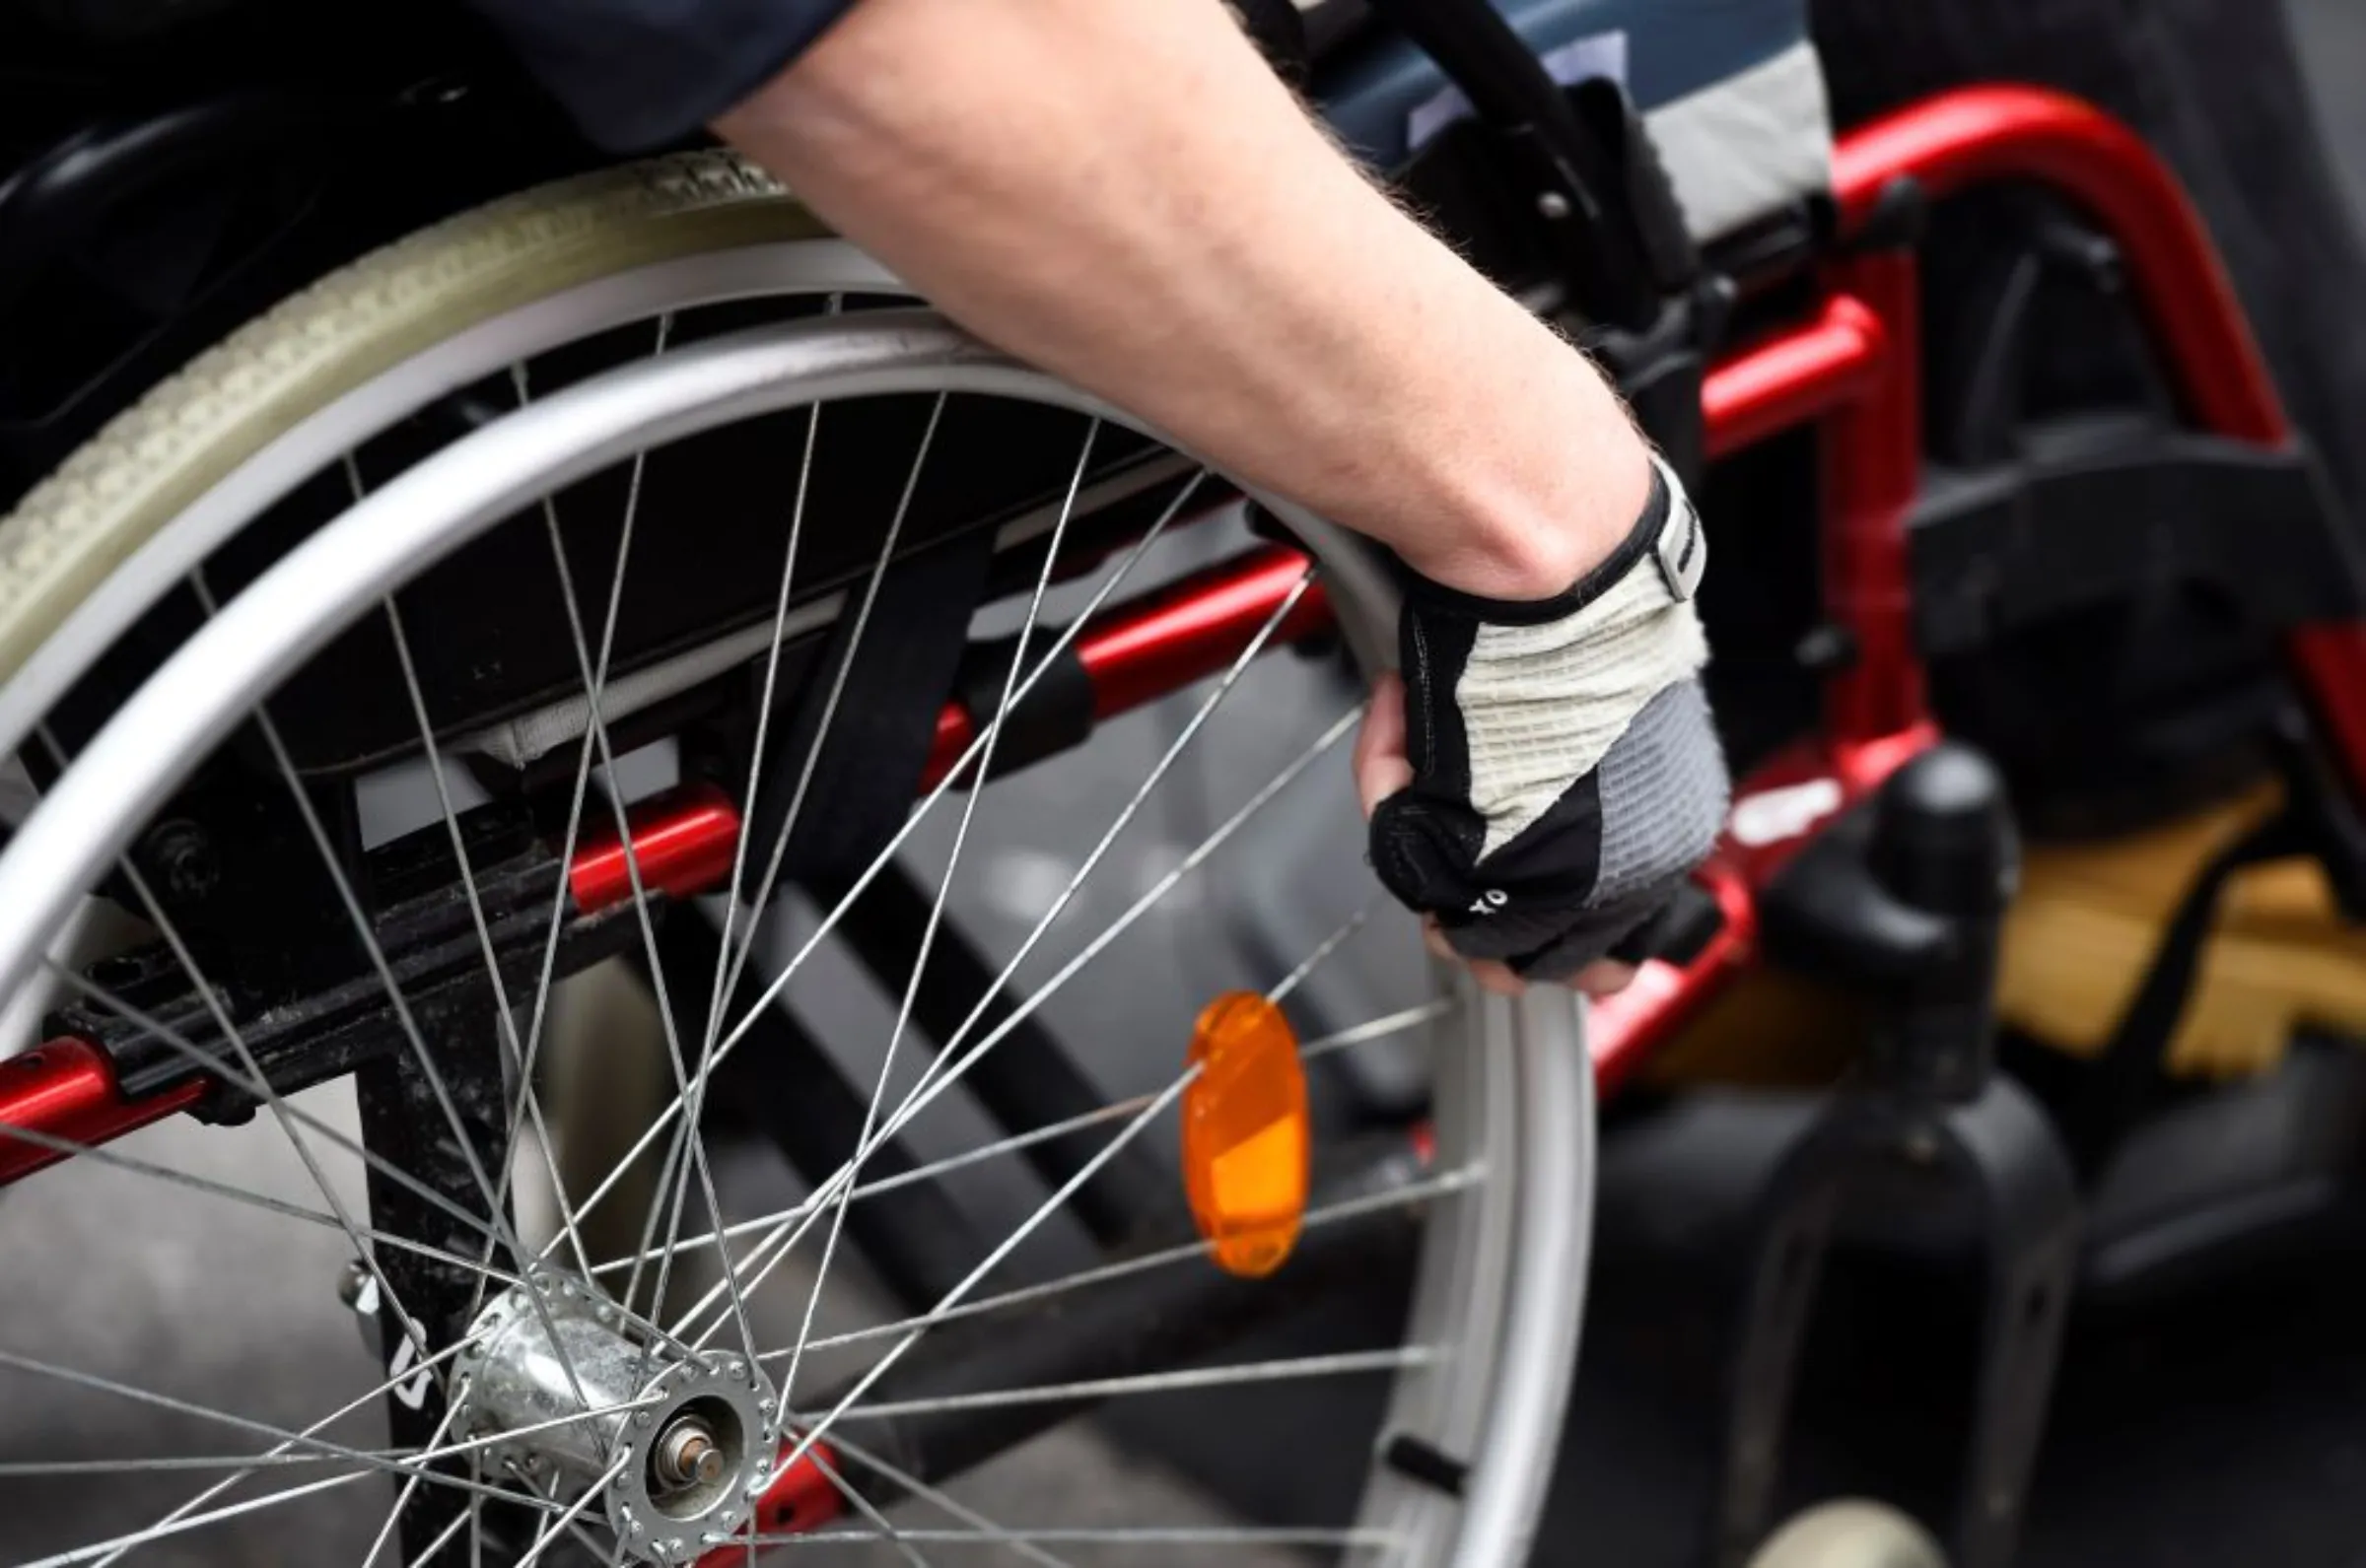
(1567, 774)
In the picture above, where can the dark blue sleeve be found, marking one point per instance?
(638, 74)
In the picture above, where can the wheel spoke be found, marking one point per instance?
(1138, 1535)
(112, 1550)
(951, 1506)
(239, 1078)
(277, 1105)
(596, 696)
(1322, 951)
(443, 1539)
(1117, 1110)
(421, 1057)
(410, 1488)
(413, 1465)
(280, 1451)
(784, 1238)
(505, 1017)
(960, 767)
(948, 1069)
(882, 1384)
(694, 1092)
(928, 936)
(1421, 1192)
(505, 1023)
(547, 1533)
(863, 1505)
(575, 1527)
(727, 969)
(992, 1261)
(355, 1232)
(1380, 1028)
(1343, 1364)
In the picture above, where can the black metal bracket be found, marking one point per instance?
(336, 1020)
(1576, 183)
(2001, 1151)
(1905, 900)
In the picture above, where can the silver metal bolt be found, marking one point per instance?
(689, 1456)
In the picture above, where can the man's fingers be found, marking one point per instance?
(1604, 977)
(1436, 940)
(1381, 769)
(1490, 975)
(1496, 976)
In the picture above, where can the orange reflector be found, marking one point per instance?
(1245, 1137)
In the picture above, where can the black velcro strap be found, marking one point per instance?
(884, 722)
(1056, 714)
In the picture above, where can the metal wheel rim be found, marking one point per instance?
(1511, 1271)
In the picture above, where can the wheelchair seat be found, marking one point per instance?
(1731, 90)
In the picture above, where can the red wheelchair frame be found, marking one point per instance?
(1852, 370)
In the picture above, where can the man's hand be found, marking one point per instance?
(1546, 772)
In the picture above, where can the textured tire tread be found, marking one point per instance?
(156, 456)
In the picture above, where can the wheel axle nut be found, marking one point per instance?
(688, 1454)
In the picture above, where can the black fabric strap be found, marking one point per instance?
(1055, 715)
(2132, 1067)
(879, 736)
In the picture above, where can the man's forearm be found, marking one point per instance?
(1154, 217)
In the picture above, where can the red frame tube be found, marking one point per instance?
(1852, 370)
(1980, 135)
(683, 843)
(1793, 377)
(1872, 459)
(1160, 642)
(67, 1089)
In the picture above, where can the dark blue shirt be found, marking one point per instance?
(638, 74)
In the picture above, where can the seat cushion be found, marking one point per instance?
(1731, 90)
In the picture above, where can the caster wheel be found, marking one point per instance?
(1850, 1535)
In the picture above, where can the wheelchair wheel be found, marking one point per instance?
(610, 478)
(1850, 1535)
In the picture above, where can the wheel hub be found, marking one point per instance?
(679, 1445)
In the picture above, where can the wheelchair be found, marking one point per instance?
(463, 599)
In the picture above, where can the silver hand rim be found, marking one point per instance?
(1524, 1102)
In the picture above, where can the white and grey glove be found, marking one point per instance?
(1566, 773)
